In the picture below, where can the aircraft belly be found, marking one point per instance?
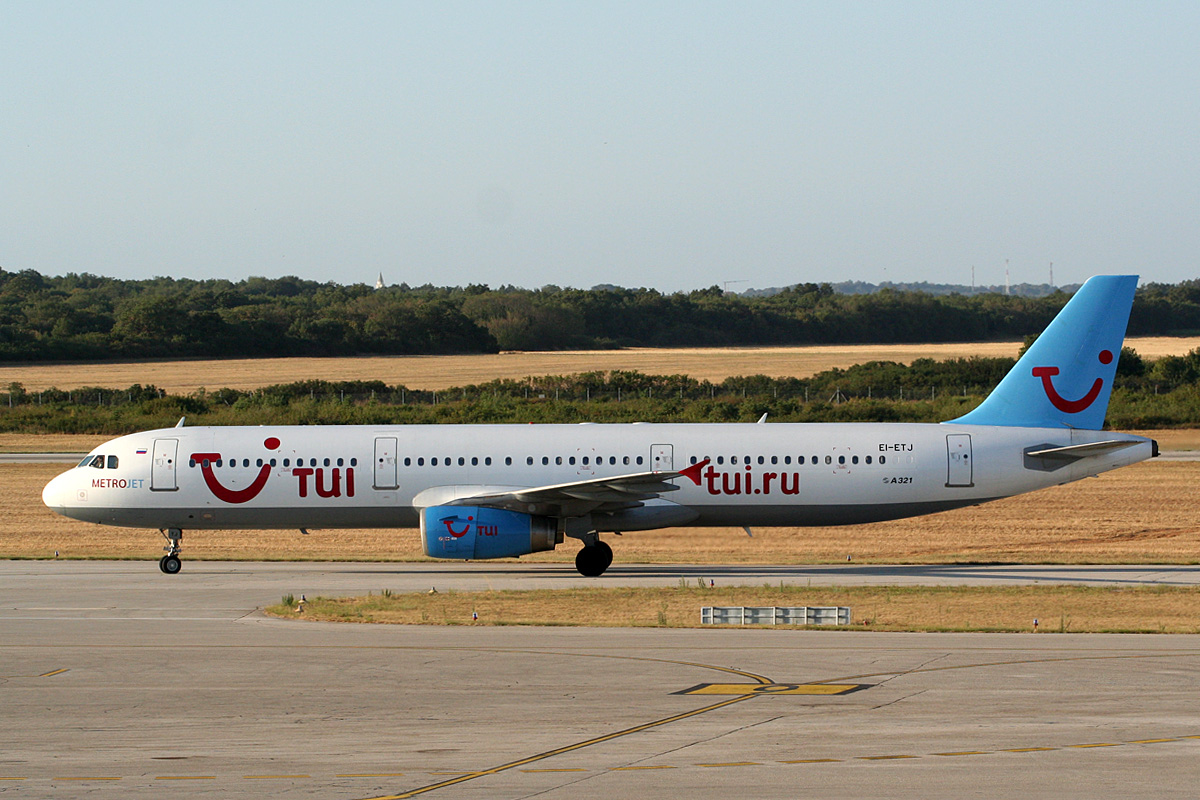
(833, 514)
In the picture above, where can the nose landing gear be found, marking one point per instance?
(170, 564)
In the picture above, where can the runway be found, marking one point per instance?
(118, 681)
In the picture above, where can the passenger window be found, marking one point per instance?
(800, 460)
(433, 461)
(462, 461)
(868, 459)
(287, 462)
(220, 462)
(761, 460)
(721, 459)
(639, 460)
(774, 459)
(354, 462)
(487, 461)
(585, 461)
(112, 462)
(421, 461)
(545, 461)
(693, 460)
(558, 459)
(407, 461)
(191, 462)
(883, 459)
(272, 462)
(612, 460)
(448, 460)
(207, 463)
(733, 459)
(787, 459)
(312, 462)
(828, 459)
(571, 460)
(854, 459)
(529, 460)
(340, 462)
(327, 462)
(841, 459)
(474, 461)
(259, 462)
(246, 462)
(625, 460)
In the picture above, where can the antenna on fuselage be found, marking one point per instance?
(180, 423)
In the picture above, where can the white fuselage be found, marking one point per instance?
(381, 476)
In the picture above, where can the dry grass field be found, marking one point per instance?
(1073, 609)
(1142, 514)
(440, 372)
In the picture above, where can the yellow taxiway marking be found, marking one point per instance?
(1028, 749)
(49, 674)
(629, 769)
(1096, 744)
(812, 761)
(733, 764)
(773, 688)
(186, 778)
(52, 672)
(566, 769)
(87, 778)
(884, 758)
(4, 778)
(371, 775)
(272, 777)
(1151, 741)
(964, 753)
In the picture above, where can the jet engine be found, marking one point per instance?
(479, 532)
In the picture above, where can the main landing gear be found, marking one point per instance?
(170, 563)
(593, 559)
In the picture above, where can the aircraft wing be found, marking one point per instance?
(566, 499)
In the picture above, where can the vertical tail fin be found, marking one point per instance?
(1065, 378)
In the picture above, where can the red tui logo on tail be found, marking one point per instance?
(1060, 402)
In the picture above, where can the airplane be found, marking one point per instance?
(496, 491)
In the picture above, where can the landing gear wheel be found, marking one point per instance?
(593, 559)
(170, 564)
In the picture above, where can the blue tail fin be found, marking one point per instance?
(1065, 378)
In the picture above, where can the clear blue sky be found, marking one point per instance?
(674, 145)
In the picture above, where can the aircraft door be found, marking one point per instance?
(958, 453)
(385, 463)
(662, 457)
(162, 469)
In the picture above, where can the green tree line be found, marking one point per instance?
(88, 317)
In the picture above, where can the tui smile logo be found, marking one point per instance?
(1063, 404)
(206, 462)
(449, 523)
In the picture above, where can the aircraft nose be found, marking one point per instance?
(56, 493)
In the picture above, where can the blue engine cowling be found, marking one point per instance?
(475, 532)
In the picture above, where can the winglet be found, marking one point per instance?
(1065, 378)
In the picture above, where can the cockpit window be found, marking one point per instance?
(87, 460)
(98, 462)
(112, 462)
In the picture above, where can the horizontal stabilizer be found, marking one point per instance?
(1076, 451)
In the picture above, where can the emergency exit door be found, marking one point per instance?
(958, 455)
(662, 457)
(385, 463)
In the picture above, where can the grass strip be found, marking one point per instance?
(1057, 609)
